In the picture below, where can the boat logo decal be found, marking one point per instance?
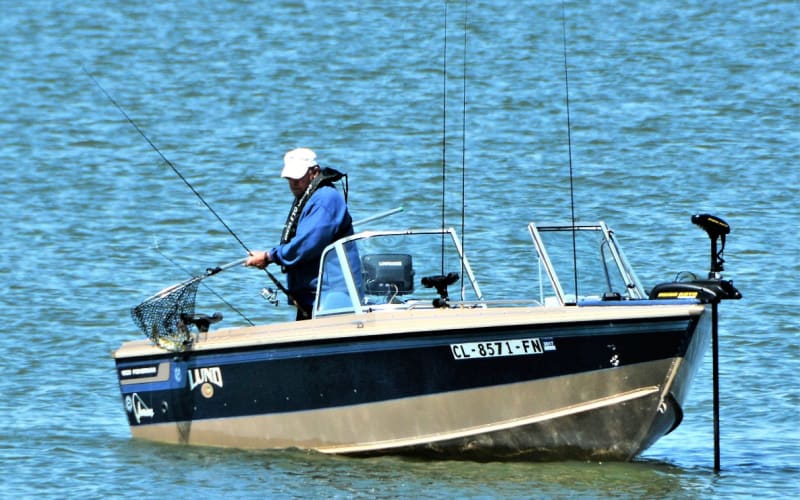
(207, 378)
(207, 390)
(677, 295)
(138, 372)
(178, 373)
(614, 361)
(500, 348)
(135, 404)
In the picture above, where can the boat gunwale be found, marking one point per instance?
(409, 321)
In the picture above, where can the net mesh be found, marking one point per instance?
(162, 318)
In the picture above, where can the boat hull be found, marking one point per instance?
(577, 382)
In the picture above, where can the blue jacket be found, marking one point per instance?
(324, 219)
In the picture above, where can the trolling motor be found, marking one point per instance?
(709, 291)
(716, 229)
(713, 289)
(440, 282)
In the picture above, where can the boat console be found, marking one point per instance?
(365, 273)
(388, 274)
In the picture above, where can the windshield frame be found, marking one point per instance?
(355, 296)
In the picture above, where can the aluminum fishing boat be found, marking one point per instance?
(405, 355)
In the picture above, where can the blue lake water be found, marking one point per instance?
(676, 108)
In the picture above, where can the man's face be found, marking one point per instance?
(299, 186)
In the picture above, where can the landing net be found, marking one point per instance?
(167, 316)
(162, 317)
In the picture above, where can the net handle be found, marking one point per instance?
(209, 272)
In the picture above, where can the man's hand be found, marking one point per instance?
(258, 259)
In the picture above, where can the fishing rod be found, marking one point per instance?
(464, 152)
(569, 149)
(444, 128)
(185, 181)
(375, 217)
(220, 297)
(191, 281)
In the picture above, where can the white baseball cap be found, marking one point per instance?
(297, 162)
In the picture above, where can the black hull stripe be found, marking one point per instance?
(341, 373)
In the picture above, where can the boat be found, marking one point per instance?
(404, 355)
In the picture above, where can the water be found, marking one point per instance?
(677, 107)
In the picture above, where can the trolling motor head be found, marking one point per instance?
(716, 228)
(712, 225)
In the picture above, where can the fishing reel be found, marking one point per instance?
(271, 296)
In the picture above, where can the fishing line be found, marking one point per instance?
(169, 163)
(185, 181)
(569, 148)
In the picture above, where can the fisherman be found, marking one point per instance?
(317, 218)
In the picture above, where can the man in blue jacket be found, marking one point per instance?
(318, 217)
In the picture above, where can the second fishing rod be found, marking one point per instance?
(192, 188)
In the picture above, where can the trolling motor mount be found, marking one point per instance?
(440, 282)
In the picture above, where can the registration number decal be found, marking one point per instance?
(499, 348)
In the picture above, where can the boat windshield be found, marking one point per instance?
(377, 270)
(596, 269)
(387, 270)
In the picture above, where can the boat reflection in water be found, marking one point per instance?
(405, 355)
